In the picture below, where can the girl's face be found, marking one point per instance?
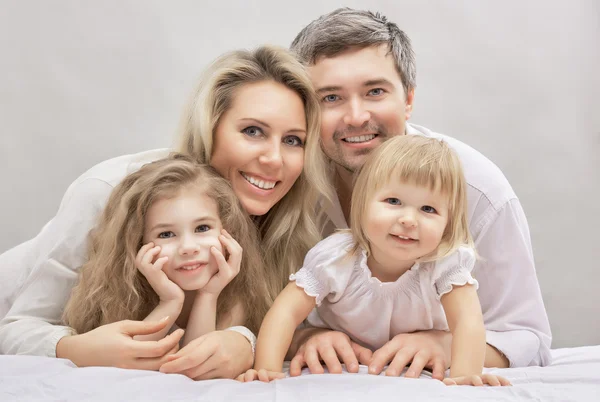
(185, 227)
(259, 144)
(403, 222)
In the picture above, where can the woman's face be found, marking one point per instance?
(259, 144)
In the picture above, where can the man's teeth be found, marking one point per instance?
(265, 185)
(361, 138)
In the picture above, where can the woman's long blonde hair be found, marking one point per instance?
(289, 229)
(422, 161)
(111, 288)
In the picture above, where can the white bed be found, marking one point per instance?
(573, 376)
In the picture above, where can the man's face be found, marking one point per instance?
(363, 103)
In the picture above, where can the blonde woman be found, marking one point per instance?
(405, 265)
(254, 117)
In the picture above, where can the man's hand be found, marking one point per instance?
(333, 348)
(431, 349)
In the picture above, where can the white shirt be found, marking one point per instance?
(511, 301)
(44, 269)
(371, 312)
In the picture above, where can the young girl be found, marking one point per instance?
(404, 266)
(169, 246)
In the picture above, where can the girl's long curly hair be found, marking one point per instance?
(111, 288)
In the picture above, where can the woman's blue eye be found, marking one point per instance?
(392, 201)
(293, 141)
(376, 92)
(203, 228)
(252, 131)
(330, 98)
(428, 209)
(165, 235)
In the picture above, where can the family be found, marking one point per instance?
(301, 218)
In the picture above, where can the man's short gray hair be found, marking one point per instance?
(346, 28)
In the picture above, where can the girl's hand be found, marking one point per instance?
(218, 354)
(260, 375)
(228, 269)
(166, 289)
(478, 380)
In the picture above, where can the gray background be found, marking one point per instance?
(83, 81)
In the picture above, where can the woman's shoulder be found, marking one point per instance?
(105, 175)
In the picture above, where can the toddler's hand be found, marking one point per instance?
(166, 289)
(260, 375)
(478, 380)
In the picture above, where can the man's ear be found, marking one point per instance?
(410, 97)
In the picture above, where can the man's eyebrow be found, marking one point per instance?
(329, 89)
(377, 81)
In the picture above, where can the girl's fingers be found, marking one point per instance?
(149, 256)
(142, 252)
(160, 263)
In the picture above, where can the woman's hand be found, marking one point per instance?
(218, 354)
(113, 345)
(166, 289)
(228, 269)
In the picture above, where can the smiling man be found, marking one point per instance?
(363, 68)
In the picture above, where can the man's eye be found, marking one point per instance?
(202, 228)
(166, 235)
(330, 98)
(252, 131)
(392, 201)
(428, 209)
(376, 92)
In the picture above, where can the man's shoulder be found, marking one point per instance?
(484, 178)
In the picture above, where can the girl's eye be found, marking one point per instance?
(293, 141)
(428, 209)
(376, 92)
(392, 201)
(252, 131)
(330, 98)
(203, 228)
(166, 235)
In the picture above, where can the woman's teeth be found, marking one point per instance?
(262, 184)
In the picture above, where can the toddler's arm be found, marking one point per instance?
(465, 320)
(291, 307)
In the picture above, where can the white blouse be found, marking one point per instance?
(372, 312)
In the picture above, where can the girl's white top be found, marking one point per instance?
(372, 312)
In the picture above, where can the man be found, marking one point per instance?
(363, 69)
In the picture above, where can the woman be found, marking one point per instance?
(255, 118)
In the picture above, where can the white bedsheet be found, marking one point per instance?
(573, 376)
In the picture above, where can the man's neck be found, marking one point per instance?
(343, 188)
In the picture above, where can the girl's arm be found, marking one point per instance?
(291, 307)
(170, 309)
(203, 316)
(465, 320)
